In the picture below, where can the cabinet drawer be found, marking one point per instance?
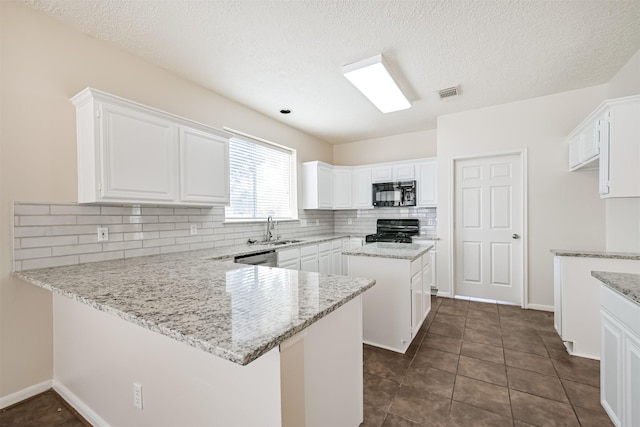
(426, 259)
(309, 250)
(324, 247)
(288, 254)
(416, 266)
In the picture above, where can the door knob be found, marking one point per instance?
(515, 236)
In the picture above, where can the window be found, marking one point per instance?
(262, 180)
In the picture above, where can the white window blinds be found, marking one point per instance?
(262, 181)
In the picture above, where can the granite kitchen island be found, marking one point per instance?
(394, 310)
(209, 342)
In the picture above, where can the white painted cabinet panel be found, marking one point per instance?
(138, 154)
(131, 153)
(404, 172)
(336, 257)
(362, 189)
(204, 169)
(427, 183)
(317, 181)
(382, 174)
(620, 361)
(289, 259)
(324, 258)
(342, 198)
(309, 258)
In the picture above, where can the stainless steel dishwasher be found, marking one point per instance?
(266, 258)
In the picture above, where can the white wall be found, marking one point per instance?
(43, 64)
(405, 146)
(565, 211)
(623, 215)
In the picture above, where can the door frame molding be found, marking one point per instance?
(522, 154)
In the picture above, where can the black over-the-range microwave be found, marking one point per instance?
(392, 194)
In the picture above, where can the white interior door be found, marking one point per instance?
(488, 228)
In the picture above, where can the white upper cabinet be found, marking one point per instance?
(427, 187)
(130, 153)
(342, 197)
(620, 148)
(317, 185)
(350, 187)
(609, 140)
(204, 172)
(393, 172)
(361, 192)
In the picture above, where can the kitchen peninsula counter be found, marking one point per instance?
(596, 254)
(208, 304)
(208, 336)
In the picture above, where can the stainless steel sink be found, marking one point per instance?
(279, 242)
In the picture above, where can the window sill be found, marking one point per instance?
(257, 221)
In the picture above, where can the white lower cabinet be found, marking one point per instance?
(309, 258)
(395, 308)
(289, 258)
(324, 258)
(336, 257)
(620, 358)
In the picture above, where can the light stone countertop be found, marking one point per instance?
(408, 251)
(234, 311)
(626, 284)
(596, 254)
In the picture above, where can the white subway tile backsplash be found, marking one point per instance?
(132, 253)
(20, 254)
(102, 256)
(65, 234)
(27, 209)
(120, 210)
(29, 264)
(45, 220)
(74, 210)
(118, 246)
(38, 242)
(76, 249)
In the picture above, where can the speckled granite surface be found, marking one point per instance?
(596, 254)
(234, 311)
(626, 284)
(407, 251)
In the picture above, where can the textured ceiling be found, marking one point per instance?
(274, 54)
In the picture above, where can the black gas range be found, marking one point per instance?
(394, 230)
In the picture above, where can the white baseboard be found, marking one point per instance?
(77, 404)
(25, 393)
(443, 294)
(541, 307)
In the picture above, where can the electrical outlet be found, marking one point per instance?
(137, 395)
(103, 234)
(349, 221)
(431, 221)
(193, 230)
(303, 223)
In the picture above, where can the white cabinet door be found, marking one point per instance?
(317, 181)
(416, 303)
(324, 258)
(342, 188)
(289, 258)
(611, 368)
(204, 168)
(575, 151)
(309, 258)
(336, 257)
(404, 172)
(362, 190)
(382, 174)
(426, 284)
(427, 183)
(631, 379)
(138, 155)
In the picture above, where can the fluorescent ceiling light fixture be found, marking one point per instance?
(371, 77)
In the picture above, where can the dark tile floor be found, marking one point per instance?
(479, 364)
(45, 409)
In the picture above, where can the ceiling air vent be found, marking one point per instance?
(450, 91)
